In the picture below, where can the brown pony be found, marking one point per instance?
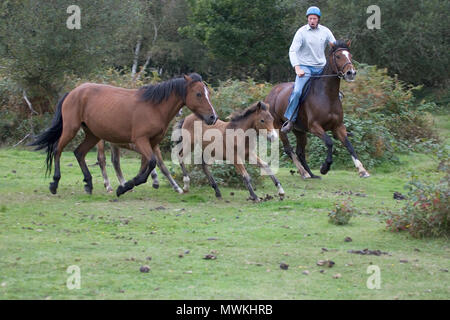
(255, 117)
(121, 116)
(115, 159)
(321, 111)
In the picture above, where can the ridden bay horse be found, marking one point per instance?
(256, 117)
(137, 116)
(321, 111)
(115, 159)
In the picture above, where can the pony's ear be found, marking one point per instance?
(259, 106)
(331, 44)
(348, 43)
(187, 78)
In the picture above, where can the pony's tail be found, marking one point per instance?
(177, 136)
(50, 137)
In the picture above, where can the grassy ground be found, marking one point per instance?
(41, 235)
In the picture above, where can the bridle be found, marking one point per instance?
(340, 73)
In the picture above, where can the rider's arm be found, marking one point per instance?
(293, 50)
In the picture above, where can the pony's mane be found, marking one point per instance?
(159, 92)
(240, 115)
(340, 44)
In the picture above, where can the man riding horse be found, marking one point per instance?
(307, 55)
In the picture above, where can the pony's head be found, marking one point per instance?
(197, 99)
(261, 119)
(341, 60)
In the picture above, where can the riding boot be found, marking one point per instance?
(287, 126)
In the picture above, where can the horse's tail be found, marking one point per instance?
(50, 137)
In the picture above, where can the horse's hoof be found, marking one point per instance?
(364, 175)
(88, 189)
(179, 190)
(324, 170)
(185, 190)
(120, 190)
(53, 188)
(155, 185)
(109, 190)
(316, 177)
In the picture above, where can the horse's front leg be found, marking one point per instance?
(144, 148)
(269, 172)
(319, 132)
(341, 134)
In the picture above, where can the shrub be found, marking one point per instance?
(342, 213)
(427, 210)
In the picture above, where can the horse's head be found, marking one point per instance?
(341, 60)
(197, 99)
(263, 120)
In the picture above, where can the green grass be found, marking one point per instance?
(41, 235)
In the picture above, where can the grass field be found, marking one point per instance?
(109, 239)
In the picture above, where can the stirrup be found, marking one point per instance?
(287, 126)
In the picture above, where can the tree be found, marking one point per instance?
(243, 38)
(41, 50)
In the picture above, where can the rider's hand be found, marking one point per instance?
(299, 71)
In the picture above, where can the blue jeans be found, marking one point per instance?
(292, 110)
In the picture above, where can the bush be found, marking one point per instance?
(427, 210)
(342, 213)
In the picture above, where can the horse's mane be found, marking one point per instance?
(162, 91)
(240, 115)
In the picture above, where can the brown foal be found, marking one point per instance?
(255, 117)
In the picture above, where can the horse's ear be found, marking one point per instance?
(259, 106)
(331, 44)
(187, 78)
(348, 43)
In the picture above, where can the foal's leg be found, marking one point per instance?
(246, 177)
(212, 182)
(80, 153)
(318, 131)
(341, 133)
(102, 164)
(266, 168)
(144, 148)
(186, 179)
(290, 152)
(300, 151)
(164, 170)
(68, 133)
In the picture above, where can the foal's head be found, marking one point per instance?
(260, 119)
(341, 60)
(197, 99)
